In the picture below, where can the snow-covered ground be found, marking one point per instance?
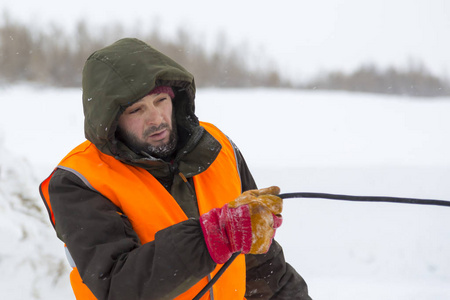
(342, 143)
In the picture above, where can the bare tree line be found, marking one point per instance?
(54, 57)
(414, 81)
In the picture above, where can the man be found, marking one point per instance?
(151, 204)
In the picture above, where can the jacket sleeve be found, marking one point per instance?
(268, 275)
(108, 254)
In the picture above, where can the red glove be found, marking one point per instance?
(245, 225)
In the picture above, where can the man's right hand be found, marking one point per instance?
(246, 224)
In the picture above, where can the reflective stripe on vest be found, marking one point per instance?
(218, 185)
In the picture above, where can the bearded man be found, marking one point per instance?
(154, 201)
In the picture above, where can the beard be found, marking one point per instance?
(159, 151)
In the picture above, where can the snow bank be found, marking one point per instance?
(31, 259)
(308, 128)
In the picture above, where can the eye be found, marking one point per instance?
(162, 99)
(134, 110)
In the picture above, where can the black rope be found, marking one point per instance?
(216, 277)
(331, 197)
(366, 198)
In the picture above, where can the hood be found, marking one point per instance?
(120, 74)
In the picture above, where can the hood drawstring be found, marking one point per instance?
(191, 189)
(174, 169)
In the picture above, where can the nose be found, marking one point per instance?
(153, 116)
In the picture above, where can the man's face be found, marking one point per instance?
(147, 126)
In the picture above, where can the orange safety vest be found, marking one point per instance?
(153, 208)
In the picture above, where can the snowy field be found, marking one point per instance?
(341, 143)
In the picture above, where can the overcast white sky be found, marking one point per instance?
(303, 37)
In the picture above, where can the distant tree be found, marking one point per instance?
(416, 81)
(15, 56)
